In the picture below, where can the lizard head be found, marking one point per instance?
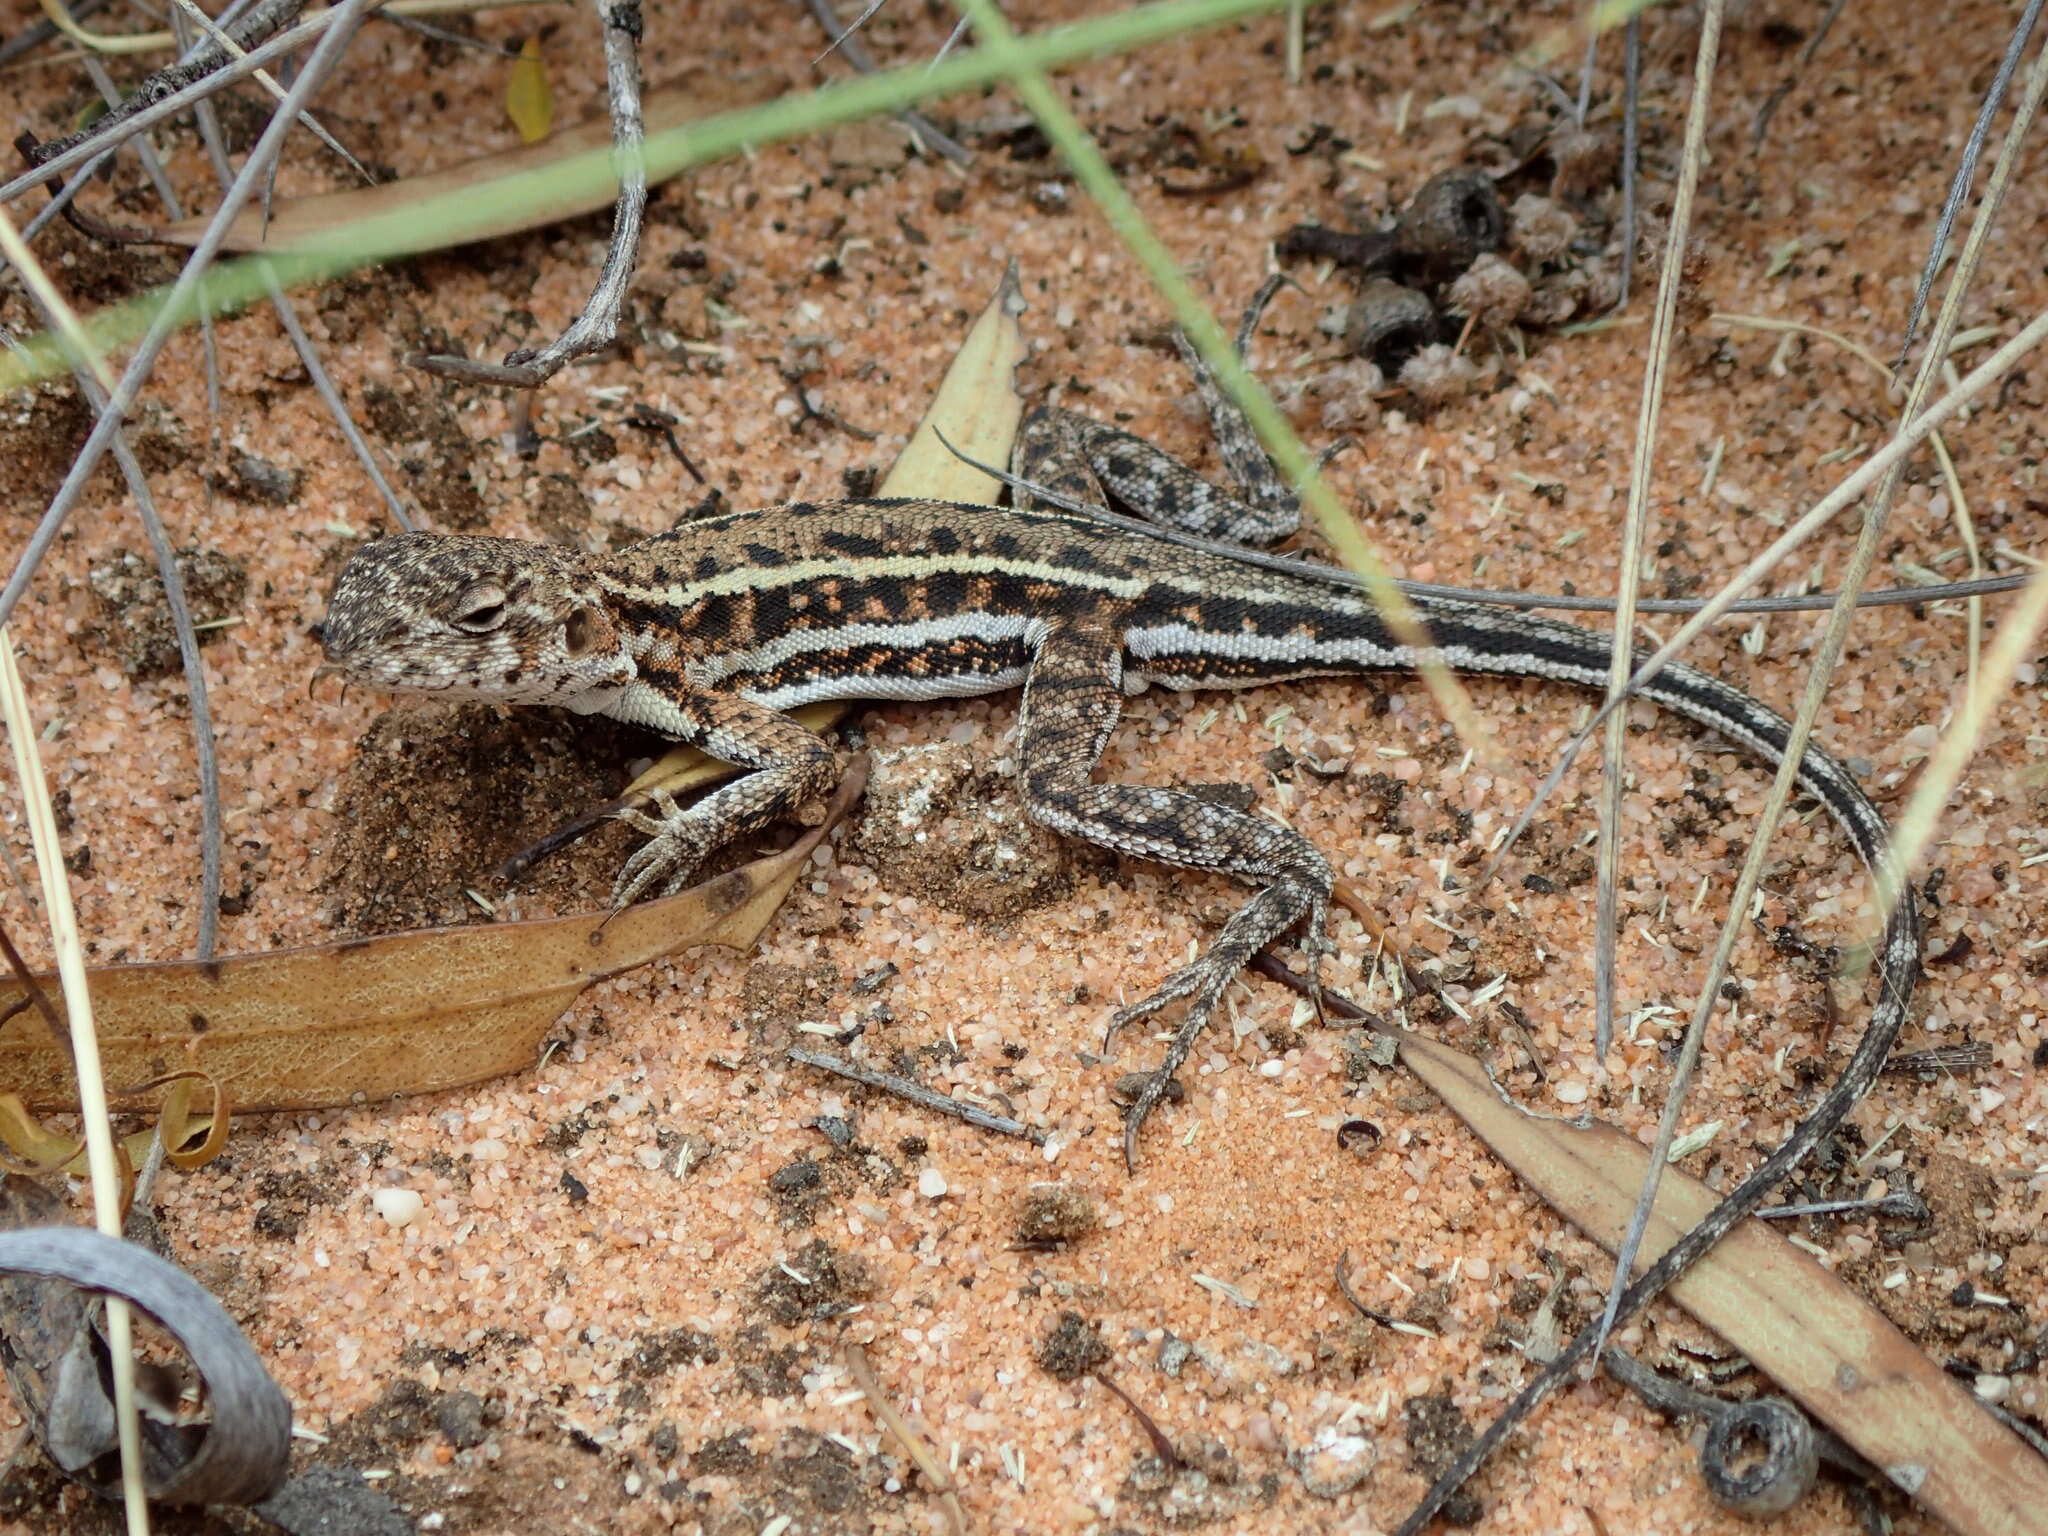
(477, 618)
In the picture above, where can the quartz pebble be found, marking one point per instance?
(1335, 1462)
(399, 1207)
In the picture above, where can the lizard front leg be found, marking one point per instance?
(788, 764)
(1073, 696)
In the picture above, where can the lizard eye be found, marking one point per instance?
(482, 609)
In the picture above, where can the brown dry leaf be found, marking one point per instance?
(977, 408)
(529, 99)
(403, 1014)
(1840, 1357)
(308, 221)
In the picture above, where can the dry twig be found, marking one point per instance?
(597, 326)
(347, 17)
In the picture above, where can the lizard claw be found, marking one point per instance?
(677, 843)
(1202, 983)
(1139, 1108)
(1177, 986)
(1316, 947)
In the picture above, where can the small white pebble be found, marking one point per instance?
(1272, 1068)
(558, 1318)
(1572, 1091)
(1335, 1462)
(400, 1207)
(931, 1184)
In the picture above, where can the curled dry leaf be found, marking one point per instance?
(402, 1014)
(31, 1147)
(53, 1358)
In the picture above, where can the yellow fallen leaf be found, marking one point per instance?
(977, 407)
(529, 99)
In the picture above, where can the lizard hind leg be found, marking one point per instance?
(1091, 462)
(1259, 481)
(1073, 697)
(1052, 451)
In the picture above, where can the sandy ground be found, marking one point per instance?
(623, 1302)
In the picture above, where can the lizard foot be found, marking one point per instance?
(1316, 947)
(677, 843)
(1201, 983)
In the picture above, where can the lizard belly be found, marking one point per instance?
(963, 684)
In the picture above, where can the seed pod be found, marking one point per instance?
(1454, 219)
(1491, 292)
(1390, 324)
(1543, 230)
(1586, 160)
(1759, 1458)
(1436, 374)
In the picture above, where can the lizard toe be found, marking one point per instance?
(669, 857)
(1136, 1113)
(1202, 983)
(1175, 987)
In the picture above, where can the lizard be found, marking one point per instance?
(710, 632)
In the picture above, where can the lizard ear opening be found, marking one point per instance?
(584, 632)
